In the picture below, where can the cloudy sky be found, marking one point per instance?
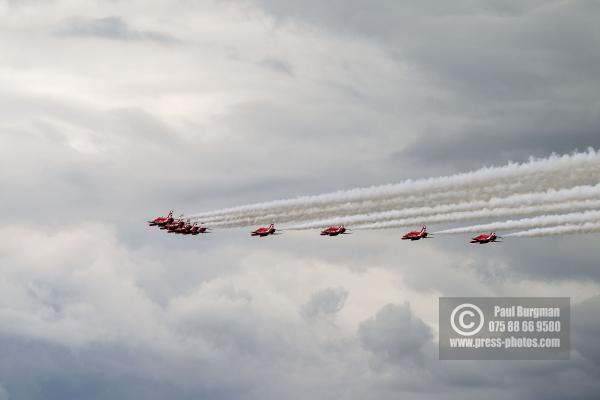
(113, 111)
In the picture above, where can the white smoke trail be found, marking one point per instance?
(520, 200)
(540, 174)
(483, 213)
(534, 222)
(588, 227)
(485, 193)
(566, 178)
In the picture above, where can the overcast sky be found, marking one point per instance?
(112, 112)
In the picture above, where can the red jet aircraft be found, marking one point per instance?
(481, 239)
(161, 221)
(178, 223)
(416, 235)
(334, 231)
(264, 231)
(180, 227)
(199, 229)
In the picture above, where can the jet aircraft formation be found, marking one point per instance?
(186, 227)
(178, 226)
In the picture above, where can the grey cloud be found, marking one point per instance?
(37, 370)
(395, 334)
(114, 28)
(514, 134)
(563, 259)
(132, 146)
(324, 302)
(586, 329)
(176, 314)
(277, 65)
(473, 379)
(513, 78)
(19, 3)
